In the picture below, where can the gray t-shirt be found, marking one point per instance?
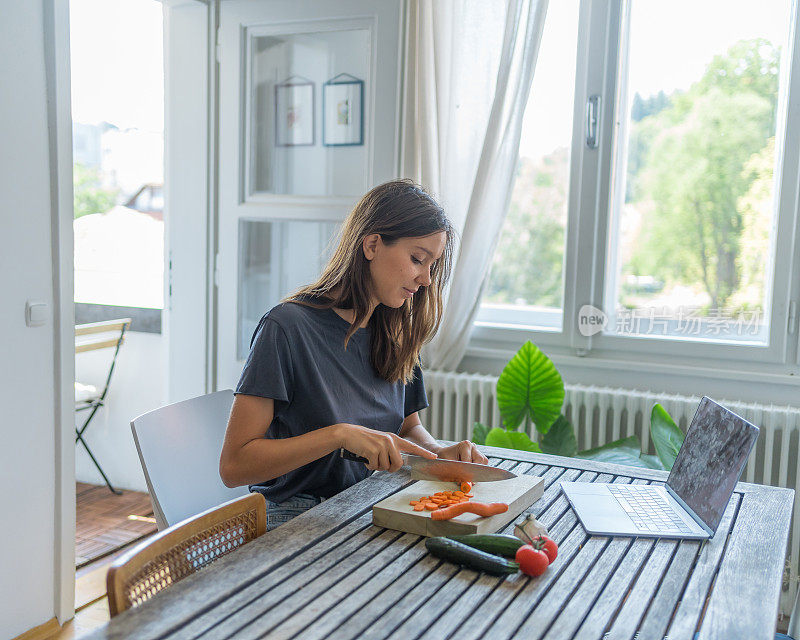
(297, 358)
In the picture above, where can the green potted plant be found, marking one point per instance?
(530, 393)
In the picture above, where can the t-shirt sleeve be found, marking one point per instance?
(268, 370)
(415, 398)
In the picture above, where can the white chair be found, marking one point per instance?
(794, 621)
(179, 447)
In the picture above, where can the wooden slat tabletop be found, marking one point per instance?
(330, 573)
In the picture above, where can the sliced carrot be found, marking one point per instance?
(443, 499)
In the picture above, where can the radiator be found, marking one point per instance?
(601, 414)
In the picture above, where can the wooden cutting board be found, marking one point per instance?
(519, 493)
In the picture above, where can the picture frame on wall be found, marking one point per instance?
(294, 112)
(343, 111)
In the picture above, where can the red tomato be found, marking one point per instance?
(547, 545)
(532, 562)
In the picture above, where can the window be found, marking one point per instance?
(526, 284)
(691, 251)
(678, 233)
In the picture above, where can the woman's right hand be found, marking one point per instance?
(381, 448)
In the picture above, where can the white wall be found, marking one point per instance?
(138, 385)
(27, 470)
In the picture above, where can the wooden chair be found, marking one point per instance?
(90, 337)
(182, 549)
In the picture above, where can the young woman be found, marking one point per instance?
(336, 365)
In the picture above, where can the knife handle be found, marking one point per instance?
(349, 455)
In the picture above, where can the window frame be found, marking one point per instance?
(602, 42)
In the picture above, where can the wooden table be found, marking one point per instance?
(330, 573)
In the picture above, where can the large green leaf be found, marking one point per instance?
(560, 438)
(651, 462)
(667, 436)
(498, 437)
(479, 432)
(625, 451)
(530, 385)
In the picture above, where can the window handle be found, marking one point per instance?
(592, 118)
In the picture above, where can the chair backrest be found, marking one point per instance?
(181, 550)
(114, 327)
(179, 447)
(102, 335)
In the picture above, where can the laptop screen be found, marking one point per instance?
(711, 460)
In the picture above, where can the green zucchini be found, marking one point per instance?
(467, 556)
(497, 543)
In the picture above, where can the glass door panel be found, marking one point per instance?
(277, 257)
(307, 113)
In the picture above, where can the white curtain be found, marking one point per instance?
(469, 68)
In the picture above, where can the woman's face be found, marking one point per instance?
(399, 269)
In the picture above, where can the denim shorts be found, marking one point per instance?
(280, 512)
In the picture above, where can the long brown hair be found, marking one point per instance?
(396, 209)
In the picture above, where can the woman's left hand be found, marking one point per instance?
(465, 451)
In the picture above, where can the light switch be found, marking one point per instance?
(35, 313)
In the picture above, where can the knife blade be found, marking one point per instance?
(445, 470)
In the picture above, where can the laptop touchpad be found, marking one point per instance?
(599, 505)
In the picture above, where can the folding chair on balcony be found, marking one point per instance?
(90, 337)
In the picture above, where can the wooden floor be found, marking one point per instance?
(107, 525)
(107, 522)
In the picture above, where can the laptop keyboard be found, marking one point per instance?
(649, 511)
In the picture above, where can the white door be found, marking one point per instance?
(308, 123)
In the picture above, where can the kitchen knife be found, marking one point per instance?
(446, 470)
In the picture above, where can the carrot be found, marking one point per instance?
(480, 508)
(442, 499)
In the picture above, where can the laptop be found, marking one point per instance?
(700, 484)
